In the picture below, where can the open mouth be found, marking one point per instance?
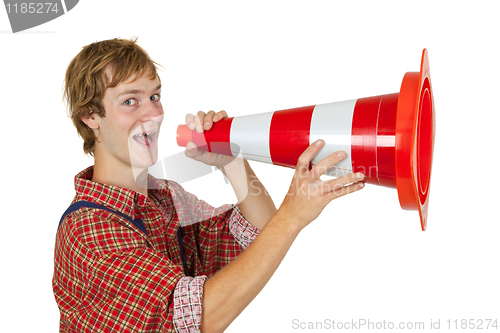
(145, 139)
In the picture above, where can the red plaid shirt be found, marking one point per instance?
(110, 277)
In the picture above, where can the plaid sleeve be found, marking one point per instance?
(187, 304)
(113, 283)
(242, 231)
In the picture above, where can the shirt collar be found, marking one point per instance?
(116, 198)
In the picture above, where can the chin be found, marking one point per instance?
(142, 157)
(143, 162)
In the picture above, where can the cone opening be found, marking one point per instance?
(424, 141)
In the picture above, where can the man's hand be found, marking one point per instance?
(308, 194)
(203, 122)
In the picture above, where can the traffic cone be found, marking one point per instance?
(390, 138)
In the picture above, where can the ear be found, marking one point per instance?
(91, 120)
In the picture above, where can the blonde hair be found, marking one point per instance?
(99, 66)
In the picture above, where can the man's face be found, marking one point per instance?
(133, 108)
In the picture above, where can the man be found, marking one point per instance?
(119, 267)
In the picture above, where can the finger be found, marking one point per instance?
(340, 192)
(192, 151)
(190, 121)
(198, 120)
(195, 152)
(207, 123)
(219, 115)
(305, 158)
(326, 163)
(335, 184)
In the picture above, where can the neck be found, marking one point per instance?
(121, 175)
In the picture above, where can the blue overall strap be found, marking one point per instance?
(79, 204)
(137, 222)
(183, 255)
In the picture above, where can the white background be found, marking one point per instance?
(364, 257)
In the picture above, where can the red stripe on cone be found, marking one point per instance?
(289, 135)
(386, 140)
(373, 139)
(219, 141)
(364, 138)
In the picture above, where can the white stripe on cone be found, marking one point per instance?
(251, 135)
(332, 122)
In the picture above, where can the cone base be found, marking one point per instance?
(415, 132)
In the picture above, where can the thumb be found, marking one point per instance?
(191, 149)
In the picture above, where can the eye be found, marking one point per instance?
(130, 102)
(155, 97)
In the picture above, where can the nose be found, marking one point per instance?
(152, 110)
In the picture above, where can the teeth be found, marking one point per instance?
(142, 134)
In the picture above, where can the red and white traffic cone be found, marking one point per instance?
(390, 138)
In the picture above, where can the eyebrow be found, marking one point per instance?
(136, 91)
